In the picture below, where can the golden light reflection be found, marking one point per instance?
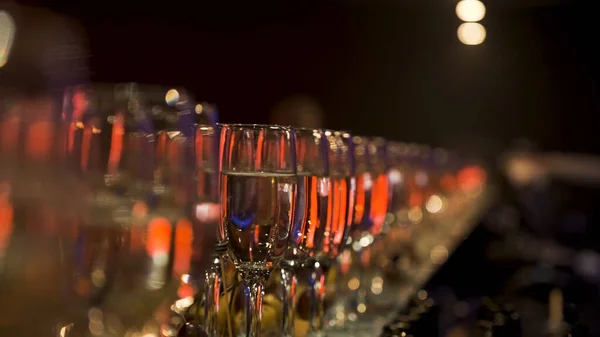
(438, 254)
(415, 215)
(7, 35)
(471, 33)
(172, 97)
(377, 285)
(470, 10)
(434, 204)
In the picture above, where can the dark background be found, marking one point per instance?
(391, 68)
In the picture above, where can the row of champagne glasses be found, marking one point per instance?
(109, 195)
(287, 200)
(341, 190)
(430, 192)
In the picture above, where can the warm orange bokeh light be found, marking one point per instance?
(184, 236)
(471, 178)
(159, 236)
(116, 148)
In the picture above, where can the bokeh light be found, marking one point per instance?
(172, 97)
(470, 10)
(471, 33)
(7, 33)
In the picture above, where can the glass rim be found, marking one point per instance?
(205, 126)
(308, 129)
(255, 126)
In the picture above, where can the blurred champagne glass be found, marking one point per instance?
(143, 234)
(40, 203)
(371, 209)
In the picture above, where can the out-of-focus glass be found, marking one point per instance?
(40, 207)
(372, 190)
(340, 205)
(208, 154)
(103, 225)
(371, 214)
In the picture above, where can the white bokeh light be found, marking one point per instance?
(470, 10)
(471, 33)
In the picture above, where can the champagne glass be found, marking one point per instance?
(40, 201)
(311, 218)
(396, 232)
(145, 207)
(372, 203)
(208, 154)
(340, 205)
(258, 192)
(342, 171)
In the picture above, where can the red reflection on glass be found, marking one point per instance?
(159, 236)
(379, 203)
(184, 235)
(6, 218)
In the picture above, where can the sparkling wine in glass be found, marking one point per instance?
(312, 216)
(258, 194)
(341, 192)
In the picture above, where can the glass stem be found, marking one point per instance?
(288, 284)
(254, 288)
(339, 309)
(364, 260)
(316, 317)
(212, 296)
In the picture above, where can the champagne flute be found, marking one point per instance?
(396, 231)
(342, 171)
(110, 135)
(340, 205)
(148, 208)
(188, 147)
(372, 203)
(208, 156)
(311, 218)
(258, 192)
